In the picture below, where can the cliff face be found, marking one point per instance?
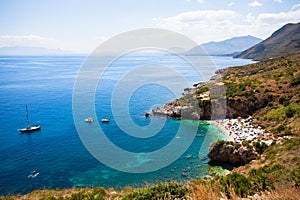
(239, 107)
(175, 110)
(235, 154)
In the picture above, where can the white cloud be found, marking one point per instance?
(201, 25)
(26, 40)
(255, 4)
(200, 16)
(279, 1)
(292, 16)
(295, 7)
(231, 4)
(101, 38)
(250, 18)
(213, 25)
(201, 1)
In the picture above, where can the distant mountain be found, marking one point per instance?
(30, 51)
(285, 41)
(229, 46)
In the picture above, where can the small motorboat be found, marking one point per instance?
(104, 120)
(33, 174)
(29, 128)
(89, 120)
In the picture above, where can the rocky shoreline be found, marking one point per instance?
(246, 141)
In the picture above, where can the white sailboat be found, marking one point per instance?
(29, 128)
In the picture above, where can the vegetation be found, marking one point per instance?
(271, 89)
(159, 191)
(201, 90)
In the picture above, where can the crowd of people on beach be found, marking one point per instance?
(240, 130)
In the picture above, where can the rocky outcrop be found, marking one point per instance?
(175, 110)
(214, 109)
(232, 153)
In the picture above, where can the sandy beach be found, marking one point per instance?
(239, 130)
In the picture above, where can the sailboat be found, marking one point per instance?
(29, 128)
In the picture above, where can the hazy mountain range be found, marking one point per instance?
(31, 51)
(229, 46)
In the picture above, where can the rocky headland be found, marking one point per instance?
(235, 153)
(267, 92)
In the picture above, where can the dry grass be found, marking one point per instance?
(283, 193)
(207, 192)
(202, 191)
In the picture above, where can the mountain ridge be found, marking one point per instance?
(225, 47)
(283, 42)
(31, 51)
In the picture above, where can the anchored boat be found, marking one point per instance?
(29, 128)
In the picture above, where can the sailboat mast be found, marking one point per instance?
(28, 124)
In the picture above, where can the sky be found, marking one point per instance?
(81, 25)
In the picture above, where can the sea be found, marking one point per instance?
(57, 157)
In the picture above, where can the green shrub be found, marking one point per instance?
(260, 147)
(237, 145)
(160, 191)
(238, 182)
(201, 90)
(281, 128)
(97, 194)
(289, 112)
(246, 144)
(295, 176)
(284, 101)
(295, 81)
(288, 132)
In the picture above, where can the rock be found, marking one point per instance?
(224, 152)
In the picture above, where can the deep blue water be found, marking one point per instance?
(45, 84)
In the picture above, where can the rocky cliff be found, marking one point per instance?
(233, 153)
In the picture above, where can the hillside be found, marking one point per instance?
(271, 90)
(229, 46)
(283, 42)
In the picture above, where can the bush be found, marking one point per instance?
(281, 128)
(97, 194)
(246, 144)
(289, 112)
(284, 101)
(238, 182)
(260, 147)
(288, 132)
(237, 145)
(201, 90)
(295, 81)
(159, 191)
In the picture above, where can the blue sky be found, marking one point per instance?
(80, 26)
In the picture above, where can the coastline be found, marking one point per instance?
(239, 130)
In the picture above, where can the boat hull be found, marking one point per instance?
(29, 129)
(105, 120)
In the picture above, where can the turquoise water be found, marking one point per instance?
(45, 84)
